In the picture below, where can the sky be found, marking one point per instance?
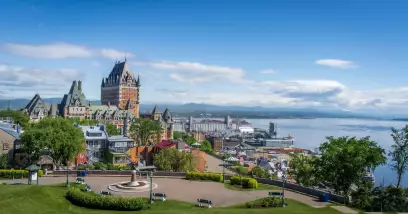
(347, 55)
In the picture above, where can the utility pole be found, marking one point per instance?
(283, 186)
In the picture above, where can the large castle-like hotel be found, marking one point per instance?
(119, 102)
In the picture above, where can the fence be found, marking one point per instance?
(290, 186)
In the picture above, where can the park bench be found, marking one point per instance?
(275, 194)
(88, 188)
(159, 196)
(106, 193)
(80, 181)
(204, 202)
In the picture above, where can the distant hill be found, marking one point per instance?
(196, 109)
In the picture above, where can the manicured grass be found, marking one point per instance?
(260, 187)
(50, 199)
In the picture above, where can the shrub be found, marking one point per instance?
(16, 173)
(204, 176)
(92, 200)
(249, 204)
(271, 202)
(249, 183)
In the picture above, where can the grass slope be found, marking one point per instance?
(50, 199)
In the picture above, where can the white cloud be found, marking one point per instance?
(194, 72)
(24, 82)
(115, 54)
(269, 71)
(336, 63)
(62, 51)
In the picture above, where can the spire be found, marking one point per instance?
(155, 110)
(103, 82)
(138, 81)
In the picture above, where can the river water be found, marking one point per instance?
(310, 133)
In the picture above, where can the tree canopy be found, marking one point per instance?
(206, 146)
(175, 160)
(18, 116)
(399, 152)
(344, 161)
(177, 135)
(112, 130)
(144, 129)
(303, 169)
(57, 137)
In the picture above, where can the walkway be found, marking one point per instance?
(213, 165)
(184, 190)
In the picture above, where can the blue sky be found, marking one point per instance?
(347, 54)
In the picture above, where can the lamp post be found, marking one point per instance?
(150, 174)
(283, 186)
(223, 170)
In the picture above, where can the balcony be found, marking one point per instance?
(118, 149)
(93, 147)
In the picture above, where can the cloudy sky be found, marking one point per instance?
(347, 54)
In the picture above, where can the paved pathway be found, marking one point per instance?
(184, 190)
(345, 209)
(213, 165)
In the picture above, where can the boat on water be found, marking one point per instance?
(263, 138)
(369, 176)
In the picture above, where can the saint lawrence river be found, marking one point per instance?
(310, 133)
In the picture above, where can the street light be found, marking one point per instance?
(150, 174)
(283, 185)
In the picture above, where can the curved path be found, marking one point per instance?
(184, 190)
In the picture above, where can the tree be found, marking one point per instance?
(399, 152)
(177, 135)
(303, 169)
(56, 136)
(144, 129)
(3, 161)
(173, 159)
(345, 160)
(206, 146)
(259, 172)
(18, 116)
(112, 130)
(362, 198)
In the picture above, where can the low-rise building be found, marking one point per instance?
(9, 140)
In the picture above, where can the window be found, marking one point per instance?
(5, 146)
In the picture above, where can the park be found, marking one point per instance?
(180, 195)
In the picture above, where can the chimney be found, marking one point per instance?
(79, 85)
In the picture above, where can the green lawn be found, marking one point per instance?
(50, 199)
(260, 187)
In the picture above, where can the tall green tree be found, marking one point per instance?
(303, 169)
(177, 135)
(345, 160)
(206, 146)
(57, 137)
(173, 159)
(399, 152)
(144, 129)
(112, 130)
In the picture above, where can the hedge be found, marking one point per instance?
(16, 173)
(95, 201)
(204, 176)
(265, 202)
(249, 183)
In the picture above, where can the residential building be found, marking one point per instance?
(9, 140)
(198, 136)
(36, 109)
(96, 141)
(119, 150)
(217, 143)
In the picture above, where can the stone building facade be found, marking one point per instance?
(121, 89)
(37, 109)
(165, 119)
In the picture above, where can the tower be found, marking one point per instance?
(120, 87)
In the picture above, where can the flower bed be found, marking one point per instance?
(95, 201)
(204, 176)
